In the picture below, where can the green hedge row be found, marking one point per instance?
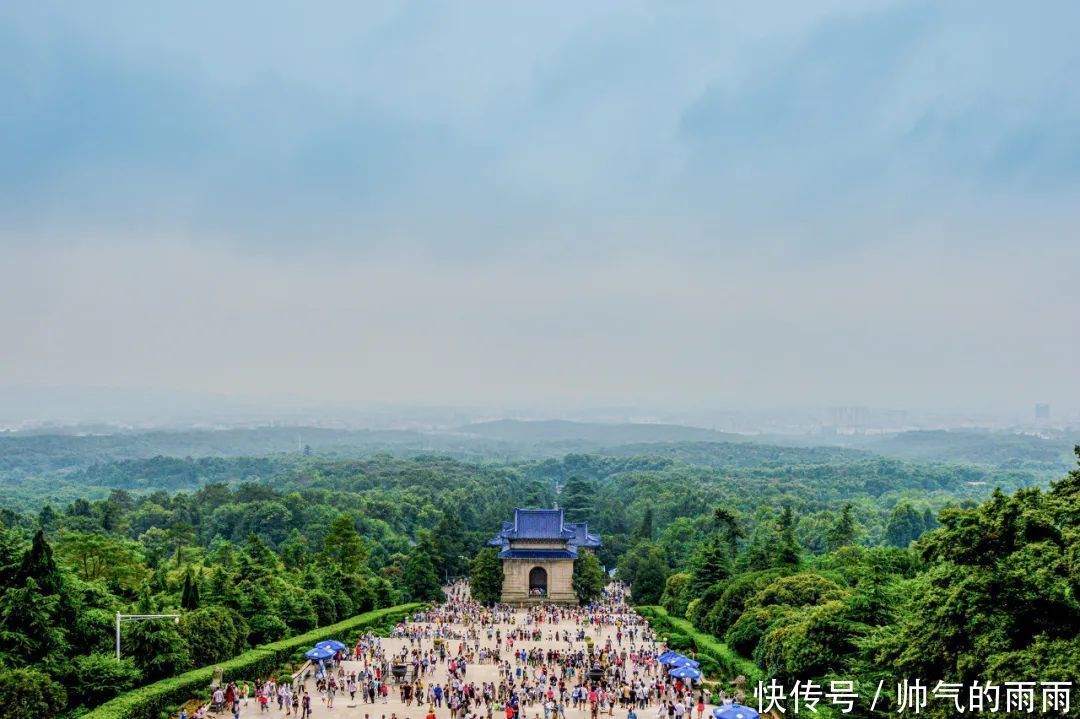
(715, 656)
(150, 701)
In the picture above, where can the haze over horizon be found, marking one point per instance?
(438, 204)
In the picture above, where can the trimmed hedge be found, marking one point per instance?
(150, 701)
(714, 655)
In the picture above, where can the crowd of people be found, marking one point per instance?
(547, 660)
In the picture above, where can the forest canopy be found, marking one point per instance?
(809, 563)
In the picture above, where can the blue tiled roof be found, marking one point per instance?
(538, 524)
(582, 538)
(544, 524)
(568, 553)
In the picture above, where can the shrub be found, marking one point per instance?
(214, 634)
(97, 678)
(719, 616)
(682, 633)
(28, 693)
(743, 636)
(798, 590)
(150, 701)
(674, 599)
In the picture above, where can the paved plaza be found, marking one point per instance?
(477, 673)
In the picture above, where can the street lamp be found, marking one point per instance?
(137, 618)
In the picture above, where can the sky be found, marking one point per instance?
(665, 203)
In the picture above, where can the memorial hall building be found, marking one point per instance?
(538, 549)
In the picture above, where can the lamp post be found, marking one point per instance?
(137, 618)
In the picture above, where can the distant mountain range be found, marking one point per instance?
(557, 430)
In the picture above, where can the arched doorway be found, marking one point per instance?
(538, 582)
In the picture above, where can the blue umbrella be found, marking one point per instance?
(319, 653)
(685, 672)
(681, 661)
(734, 711)
(667, 655)
(673, 658)
(333, 645)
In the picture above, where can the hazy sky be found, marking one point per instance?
(665, 203)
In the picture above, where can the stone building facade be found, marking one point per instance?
(538, 549)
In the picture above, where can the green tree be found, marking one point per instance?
(262, 614)
(644, 531)
(97, 678)
(450, 534)
(47, 518)
(788, 552)
(487, 576)
(676, 593)
(650, 577)
(731, 531)
(101, 557)
(709, 565)
(578, 500)
(156, 546)
(28, 693)
(805, 589)
(1000, 589)
(589, 579)
(419, 577)
(296, 610)
(842, 533)
(38, 564)
(157, 648)
(213, 634)
(344, 546)
(260, 559)
(294, 550)
(30, 630)
(189, 597)
(11, 556)
(905, 525)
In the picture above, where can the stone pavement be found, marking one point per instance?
(345, 708)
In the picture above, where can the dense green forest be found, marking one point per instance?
(40, 467)
(807, 562)
(244, 564)
(986, 592)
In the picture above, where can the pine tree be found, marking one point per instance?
(650, 578)
(38, 564)
(578, 500)
(30, 629)
(344, 546)
(259, 559)
(487, 577)
(788, 551)
(905, 525)
(189, 598)
(727, 521)
(710, 564)
(12, 551)
(294, 550)
(842, 533)
(644, 531)
(157, 647)
(450, 536)
(419, 576)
